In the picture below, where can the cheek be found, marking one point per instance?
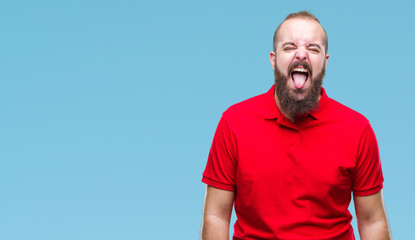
(318, 64)
(281, 67)
(283, 62)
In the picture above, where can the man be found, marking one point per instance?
(289, 159)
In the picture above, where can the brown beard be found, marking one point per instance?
(288, 103)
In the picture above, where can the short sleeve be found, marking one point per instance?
(220, 169)
(367, 176)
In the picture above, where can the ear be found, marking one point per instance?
(326, 59)
(272, 58)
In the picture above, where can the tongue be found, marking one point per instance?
(299, 79)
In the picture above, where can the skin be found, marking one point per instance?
(371, 216)
(217, 212)
(298, 40)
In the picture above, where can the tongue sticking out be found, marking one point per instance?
(299, 79)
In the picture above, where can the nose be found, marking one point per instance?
(301, 55)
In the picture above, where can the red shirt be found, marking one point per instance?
(293, 180)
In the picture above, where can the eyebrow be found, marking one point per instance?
(288, 43)
(314, 45)
(308, 45)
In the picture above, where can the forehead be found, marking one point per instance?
(301, 31)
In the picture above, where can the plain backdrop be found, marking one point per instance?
(108, 108)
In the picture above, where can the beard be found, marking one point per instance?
(290, 103)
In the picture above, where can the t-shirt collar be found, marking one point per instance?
(273, 112)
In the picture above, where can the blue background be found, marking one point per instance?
(108, 108)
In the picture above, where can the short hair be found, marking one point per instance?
(303, 15)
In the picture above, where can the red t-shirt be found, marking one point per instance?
(293, 180)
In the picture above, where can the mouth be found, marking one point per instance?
(299, 76)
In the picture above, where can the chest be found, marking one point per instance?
(312, 161)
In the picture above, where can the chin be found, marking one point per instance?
(299, 94)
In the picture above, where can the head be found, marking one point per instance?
(299, 60)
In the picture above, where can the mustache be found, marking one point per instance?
(305, 65)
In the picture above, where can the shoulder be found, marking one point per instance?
(251, 107)
(348, 116)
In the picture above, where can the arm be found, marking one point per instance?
(216, 214)
(371, 217)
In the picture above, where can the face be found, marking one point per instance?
(299, 62)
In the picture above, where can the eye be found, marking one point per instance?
(288, 48)
(314, 50)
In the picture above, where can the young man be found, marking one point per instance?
(289, 159)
